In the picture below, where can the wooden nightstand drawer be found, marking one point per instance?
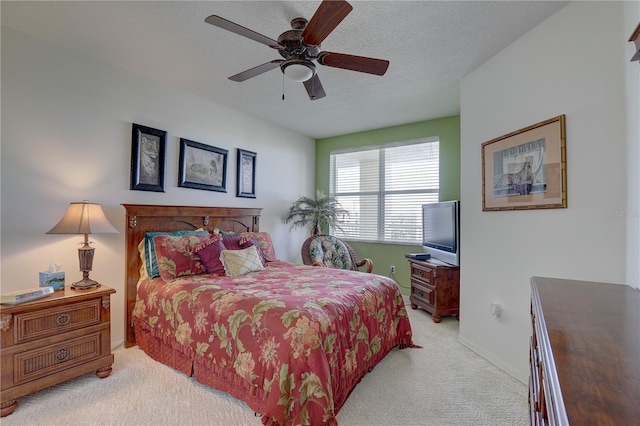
(423, 293)
(422, 272)
(40, 362)
(53, 321)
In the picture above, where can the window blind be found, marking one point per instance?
(383, 188)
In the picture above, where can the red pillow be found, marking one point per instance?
(176, 255)
(209, 254)
(264, 244)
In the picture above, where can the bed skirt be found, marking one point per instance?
(220, 379)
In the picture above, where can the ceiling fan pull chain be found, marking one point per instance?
(283, 86)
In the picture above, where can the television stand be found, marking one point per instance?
(435, 288)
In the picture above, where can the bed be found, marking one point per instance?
(291, 341)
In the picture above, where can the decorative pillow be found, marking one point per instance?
(150, 248)
(176, 257)
(209, 254)
(240, 262)
(264, 243)
(232, 241)
(217, 231)
(239, 242)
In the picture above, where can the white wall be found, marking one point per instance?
(632, 95)
(573, 64)
(66, 136)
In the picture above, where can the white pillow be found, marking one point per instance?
(240, 262)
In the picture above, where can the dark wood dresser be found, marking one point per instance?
(585, 353)
(435, 288)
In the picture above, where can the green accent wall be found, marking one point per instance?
(447, 130)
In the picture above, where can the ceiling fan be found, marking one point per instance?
(300, 46)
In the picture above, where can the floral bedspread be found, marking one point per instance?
(292, 341)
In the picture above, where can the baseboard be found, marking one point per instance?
(507, 368)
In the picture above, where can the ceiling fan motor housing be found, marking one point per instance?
(294, 46)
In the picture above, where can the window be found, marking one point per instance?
(384, 187)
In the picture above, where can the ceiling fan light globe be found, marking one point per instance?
(298, 71)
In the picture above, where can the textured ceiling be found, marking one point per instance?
(430, 45)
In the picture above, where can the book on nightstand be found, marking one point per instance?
(27, 295)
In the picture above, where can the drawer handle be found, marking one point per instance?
(63, 319)
(420, 293)
(62, 355)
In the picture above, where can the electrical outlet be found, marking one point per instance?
(392, 269)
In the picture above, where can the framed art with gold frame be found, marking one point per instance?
(526, 169)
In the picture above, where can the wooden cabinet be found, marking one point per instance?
(53, 339)
(585, 353)
(435, 288)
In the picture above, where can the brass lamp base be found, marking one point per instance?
(85, 254)
(84, 284)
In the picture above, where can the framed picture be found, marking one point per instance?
(526, 169)
(246, 181)
(147, 158)
(202, 166)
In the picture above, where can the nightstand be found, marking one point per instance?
(435, 288)
(54, 339)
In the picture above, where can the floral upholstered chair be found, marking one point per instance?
(332, 252)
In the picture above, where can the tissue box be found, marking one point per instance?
(53, 279)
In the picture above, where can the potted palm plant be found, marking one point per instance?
(323, 211)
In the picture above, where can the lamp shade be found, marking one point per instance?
(298, 69)
(83, 218)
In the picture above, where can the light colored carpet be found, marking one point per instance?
(442, 384)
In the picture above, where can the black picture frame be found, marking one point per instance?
(148, 148)
(202, 166)
(246, 174)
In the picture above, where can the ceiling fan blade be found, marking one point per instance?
(314, 88)
(246, 75)
(240, 30)
(329, 14)
(353, 62)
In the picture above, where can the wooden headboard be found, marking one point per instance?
(154, 218)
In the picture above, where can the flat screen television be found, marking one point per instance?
(441, 231)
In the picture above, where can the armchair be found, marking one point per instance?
(331, 252)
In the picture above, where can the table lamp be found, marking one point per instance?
(84, 218)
